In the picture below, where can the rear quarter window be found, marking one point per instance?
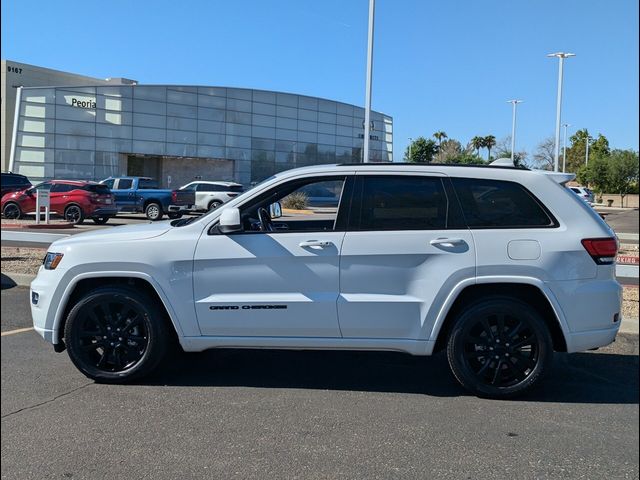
(99, 189)
(500, 204)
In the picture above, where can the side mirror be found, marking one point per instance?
(230, 221)
(275, 210)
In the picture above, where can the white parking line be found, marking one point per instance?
(17, 330)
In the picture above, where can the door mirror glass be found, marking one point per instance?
(230, 221)
(275, 210)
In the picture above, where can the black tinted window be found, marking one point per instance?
(499, 204)
(62, 187)
(99, 189)
(109, 183)
(147, 184)
(207, 187)
(402, 203)
(124, 184)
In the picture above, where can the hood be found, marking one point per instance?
(116, 234)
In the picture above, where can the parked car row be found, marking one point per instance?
(76, 200)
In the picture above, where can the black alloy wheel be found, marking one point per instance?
(214, 204)
(115, 334)
(12, 211)
(74, 214)
(499, 347)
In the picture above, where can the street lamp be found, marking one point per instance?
(410, 148)
(564, 148)
(367, 107)
(561, 56)
(586, 157)
(513, 129)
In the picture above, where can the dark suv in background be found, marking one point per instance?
(12, 182)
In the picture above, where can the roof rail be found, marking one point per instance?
(407, 164)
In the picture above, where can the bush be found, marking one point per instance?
(295, 201)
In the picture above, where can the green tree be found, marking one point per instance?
(576, 152)
(421, 150)
(489, 142)
(596, 174)
(477, 143)
(623, 172)
(440, 136)
(467, 158)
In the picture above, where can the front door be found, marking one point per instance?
(406, 246)
(278, 278)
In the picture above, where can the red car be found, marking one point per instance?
(74, 200)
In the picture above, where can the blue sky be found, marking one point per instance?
(438, 65)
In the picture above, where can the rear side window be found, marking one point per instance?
(62, 187)
(402, 203)
(147, 184)
(99, 189)
(208, 187)
(500, 204)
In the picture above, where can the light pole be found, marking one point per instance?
(513, 129)
(586, 156)
(564, 148)
(410, 148)
(561, 56)
(367, 107)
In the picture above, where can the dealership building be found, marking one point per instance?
(60, 125)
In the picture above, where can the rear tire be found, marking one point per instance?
(499, 347)
(153, 211)
(11, 210)
(116, 334)
(74, 214)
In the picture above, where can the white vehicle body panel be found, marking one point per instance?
(363, 290)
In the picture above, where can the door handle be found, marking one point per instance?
(446, 242)
(315, 243)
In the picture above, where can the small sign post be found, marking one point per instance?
(42, 200)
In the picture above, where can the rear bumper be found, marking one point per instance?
(581, 341)
(180, 208)
(104, 212)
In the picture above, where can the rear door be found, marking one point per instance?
(124, 194)
(407, 246)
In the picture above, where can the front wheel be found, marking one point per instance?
(100, 220)
(116, 334)
(153, 211)
(499, 347)
(12, 211)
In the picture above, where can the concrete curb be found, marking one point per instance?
(628, 236)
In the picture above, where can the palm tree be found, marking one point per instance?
(478, 143)
(489, 143)
(439, 136)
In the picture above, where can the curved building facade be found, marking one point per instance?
(180, 133)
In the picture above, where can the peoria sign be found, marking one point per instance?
(89, 103)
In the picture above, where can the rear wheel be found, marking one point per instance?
(499, 347)
(116, 334)
(100, 220)
(74, 214)
(214, 204)
(12, 211)
(153, 211)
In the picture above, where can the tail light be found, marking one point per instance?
(93, 197)
(174, 196)
(602, 250)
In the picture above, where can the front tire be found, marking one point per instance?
(12, 211)
(499, 347)
(153, 211)
(100, 220)
(116, 334)
(174, 215)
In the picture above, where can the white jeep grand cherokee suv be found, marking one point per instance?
(498, 266)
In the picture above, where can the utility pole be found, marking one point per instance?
(564, 149)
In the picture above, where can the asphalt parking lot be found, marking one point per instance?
(265, 414)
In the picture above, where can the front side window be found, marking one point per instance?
(401, 203)
(62, 187)
(500, 204)
(309, 205)
(43, 186)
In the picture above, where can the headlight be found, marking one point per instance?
(51, 260)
